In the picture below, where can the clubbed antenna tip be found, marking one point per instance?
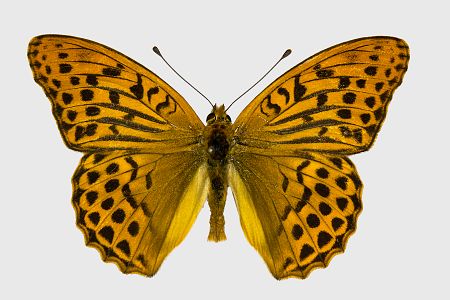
(286, 53)
(156, 50)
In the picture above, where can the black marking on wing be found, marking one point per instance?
(138, 89)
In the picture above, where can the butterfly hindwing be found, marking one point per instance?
(104, 100)
(135, 207)
(333, 102)
(301, 215)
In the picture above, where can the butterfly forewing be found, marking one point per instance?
(333, 102)
(105, 100)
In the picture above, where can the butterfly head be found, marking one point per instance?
(218, 115)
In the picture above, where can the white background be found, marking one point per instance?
(401, 247)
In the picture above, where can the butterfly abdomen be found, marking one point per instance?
(217, 195)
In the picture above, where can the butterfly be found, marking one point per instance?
(150, 163)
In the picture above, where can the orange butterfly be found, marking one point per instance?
(149, 162)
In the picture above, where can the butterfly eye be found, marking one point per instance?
(229, 118)
(211, 117)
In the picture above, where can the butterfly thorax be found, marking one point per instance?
(217, 133)
(217, 145)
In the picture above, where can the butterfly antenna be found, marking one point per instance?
(156, 50)
(285, 54)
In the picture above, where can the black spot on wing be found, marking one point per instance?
(91, 79)
(324, 208)
(361, 83)
(336, 223)
(271, 106)
(285, 183)
(289, 261)
(63, 55)
(56, 83)
(118, 216)
(344, 82)
(92, 177)
(152, 91)
(148, 180)
(98, 157)
(349, 98)
(112, 168)
(133, 228)
(111, 185)
(337, 162)
(164, 104)
(92, 111)
(322, 189)
(379, 86)
(342, 203)
(138, 89)
(65, 68)
(94, 217)
(286, 212)
(322, 99)
(74, 80)
(297, 231)
(107, 203)
(86, 95)
(134, 165)
(67, 98)
(111, 71)
(323, 239)
(114, 97)
(370, 101)
(325, 73)
(371, 70)
(107, 233)
(71, 115)
(91, 197)
(299, 89)
(124, 247)
(128, 196)
(306, 251)
(283, 92)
